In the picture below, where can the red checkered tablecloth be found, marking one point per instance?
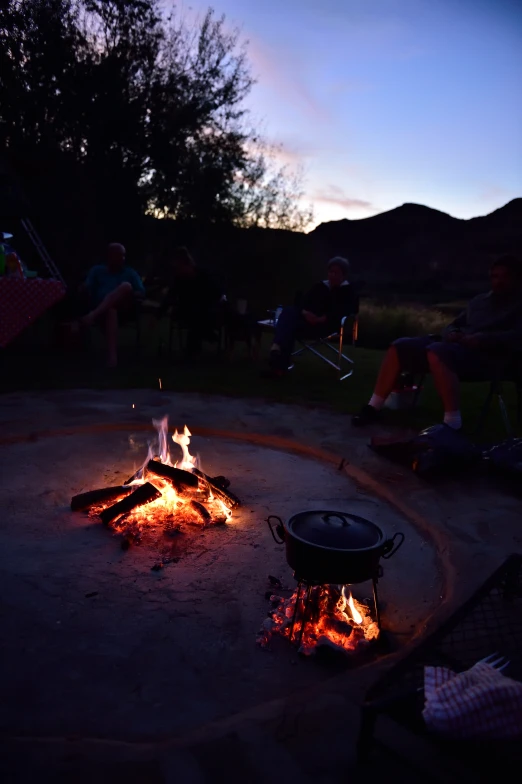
(22, 301)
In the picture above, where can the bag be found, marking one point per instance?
(437, 450)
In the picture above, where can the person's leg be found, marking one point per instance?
(447, 385)
(449, 364)
(404, 355)
(121, 295)
(111, 335)
(284, 338)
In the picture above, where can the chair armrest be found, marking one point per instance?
(354, 316)
(355, 325)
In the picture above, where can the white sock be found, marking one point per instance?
(453, 419)
(377, 402)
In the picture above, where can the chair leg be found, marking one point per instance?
(485, 409)
(505, 415)
(340, 355)
(138, 336)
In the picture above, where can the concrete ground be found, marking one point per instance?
(114, 672)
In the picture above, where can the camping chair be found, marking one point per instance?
(510, 374)
(335, 343)
(177, 325)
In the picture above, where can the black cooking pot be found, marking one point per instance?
(326, 547)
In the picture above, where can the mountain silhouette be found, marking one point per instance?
(414, 244)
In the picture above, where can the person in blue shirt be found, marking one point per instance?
(114, 291)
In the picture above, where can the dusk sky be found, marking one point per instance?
(389, 101)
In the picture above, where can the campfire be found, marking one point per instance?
(163, 495)
(329, 551)
(326, 616)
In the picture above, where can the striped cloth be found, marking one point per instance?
(478, 703)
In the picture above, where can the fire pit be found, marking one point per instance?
(135, 653)
(162, 495)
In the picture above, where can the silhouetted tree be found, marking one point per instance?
(145, 108)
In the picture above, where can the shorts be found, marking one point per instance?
(469, 364)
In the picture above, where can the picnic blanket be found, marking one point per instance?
(22, 301)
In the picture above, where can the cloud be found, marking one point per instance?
(285, 153)
(335, 195)
(292, 152)
(279, 71)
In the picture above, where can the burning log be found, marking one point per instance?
(228, 498)
(221, 481)
(338, 626)
(203, 514)
(84, 501)
(136, 475)
(177, 477)
(144, 494)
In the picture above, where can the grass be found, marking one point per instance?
(29, 365)
(381, 324)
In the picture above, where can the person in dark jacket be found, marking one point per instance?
(475, 347)
(319, 315)
(195, 296)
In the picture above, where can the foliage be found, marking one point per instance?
(145, 106)
(380, 325)
(271, 197)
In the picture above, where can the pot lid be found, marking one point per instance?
(337, 530)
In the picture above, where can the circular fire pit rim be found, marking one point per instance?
(284, 445)
(437, 537)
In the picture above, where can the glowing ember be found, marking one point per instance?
(186, 498)
(336, 620)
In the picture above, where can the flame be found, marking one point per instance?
(159, 381)
(348, 601)
(170, 508)
(162, 426)
(328, 625)
(188, 462)
(224, 508)
(356, 615)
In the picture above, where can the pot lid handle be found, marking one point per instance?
(335, 515)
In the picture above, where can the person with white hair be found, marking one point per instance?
(114, 290)
(320, 315)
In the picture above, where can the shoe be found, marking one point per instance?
(366, 416)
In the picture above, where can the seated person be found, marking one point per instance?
(323, 308)
(474, 347)
(195, 297)
(114, 291)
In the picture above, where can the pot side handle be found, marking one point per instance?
(390, 548)
(278, 535)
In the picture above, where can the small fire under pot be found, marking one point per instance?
(329, 551)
